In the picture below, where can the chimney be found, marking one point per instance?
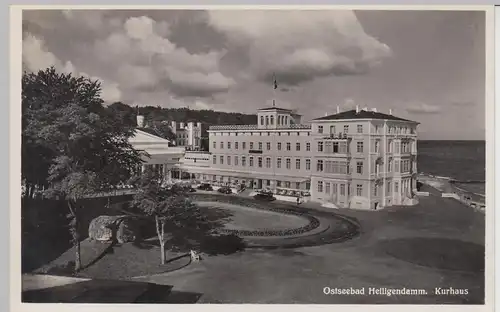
(338, 109)
(140, 121)
(357, 109)
(390, 111)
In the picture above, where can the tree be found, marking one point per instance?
(168, 207)
(160, 129)
(86, 146)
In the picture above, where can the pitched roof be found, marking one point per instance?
(362, 114)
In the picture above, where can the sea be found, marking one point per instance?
(458, 160)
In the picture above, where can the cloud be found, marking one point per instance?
(199, 105)
(299, 46)
(132, 52)
(36, 57)
(423, 108)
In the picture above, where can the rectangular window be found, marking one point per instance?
(251, 145)
(268, 162)
(221, 160)
(243, 161)
(389, 165)
(260, 162)
(287, 184)
(278, 163)
(228, 145)
(229, 160)
(260, 146)
(359, 190)
(377, 146)
(327, 187)
(359, 167)
(342, 189)
(288, 163)
(297, 163)
(375, 190)
(389, 146)
(221, 144)
(335, 147)
(250, 161)
(297, 146)
(278, 183)
(359, 147)
(235, 145)
(279, 146)
(396, 166)
(214, 160)
(320, 186)
(396, 187)
(388, 188)
(268, 145)
(236, 160)
(332, 129)
(346, 129)
(244, 145)
(359, 128)
(308, 147)
(288, 146)
(320, 129)
(319, 165)
(320, 146)
(308, 164)
(215, 145)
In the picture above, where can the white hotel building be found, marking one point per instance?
(353, 159)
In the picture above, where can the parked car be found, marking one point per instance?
(264, 196)
(225, 190)
(205, 187)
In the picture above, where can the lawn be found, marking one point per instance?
(108, 261)
(244, 218)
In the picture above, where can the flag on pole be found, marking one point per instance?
(275, 83)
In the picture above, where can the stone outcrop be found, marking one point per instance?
(121, 228)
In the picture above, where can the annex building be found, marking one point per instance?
(358, 158)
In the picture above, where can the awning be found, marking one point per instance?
(243, 174)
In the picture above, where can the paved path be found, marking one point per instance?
(299, 275)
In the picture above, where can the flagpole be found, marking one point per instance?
(275, 125)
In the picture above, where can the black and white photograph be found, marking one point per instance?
(254, 156)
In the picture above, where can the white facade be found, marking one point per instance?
(353, 159)
(162, 157)
(187, 134)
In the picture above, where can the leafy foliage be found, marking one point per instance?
(72, 144)
(83, 145)
(207, 117)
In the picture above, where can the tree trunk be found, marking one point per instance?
(76, 236)
(159, 232)
(162, 248)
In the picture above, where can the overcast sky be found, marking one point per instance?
(427, 66)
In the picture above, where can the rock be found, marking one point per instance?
(122, 228)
